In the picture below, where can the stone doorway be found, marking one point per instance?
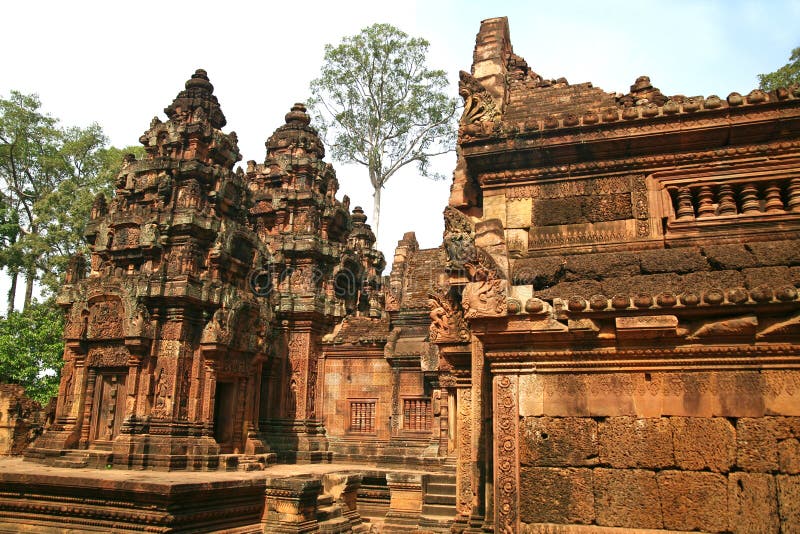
(223, 416)
(108, 407)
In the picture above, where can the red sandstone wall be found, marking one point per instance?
(706, 451)
(348, 378)
(21, 419)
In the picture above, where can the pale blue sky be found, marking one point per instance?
(121, 63)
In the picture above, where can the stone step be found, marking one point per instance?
(329, 513)
(336, 525)
(69, 463)
(441, 489)
(325, 500)
(442, 478)
(433, 498)
(439, 510)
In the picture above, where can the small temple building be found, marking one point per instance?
(607, 339)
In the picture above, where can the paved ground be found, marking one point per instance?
(16, 465)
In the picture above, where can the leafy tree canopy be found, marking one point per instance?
(49, 176)
(376, 103)
(30, 350)
(785, 76)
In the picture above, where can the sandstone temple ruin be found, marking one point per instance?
(608, 337)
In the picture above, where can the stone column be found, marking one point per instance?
(405, 504)
(464, 454)
(478, 458)
(443, 421)
(343, 487)
(290, 505)
(209, 390)
(87, 408)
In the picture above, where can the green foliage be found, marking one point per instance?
(377, 104)
(785, 76)
(49, 176)
(31, 350)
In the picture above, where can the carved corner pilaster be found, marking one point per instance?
(506, 450)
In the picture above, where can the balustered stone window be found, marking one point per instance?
(362, 416)
(417, 415)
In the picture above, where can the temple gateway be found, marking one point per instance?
(607, 339)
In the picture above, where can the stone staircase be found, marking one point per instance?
(439, 502)
(96, 458)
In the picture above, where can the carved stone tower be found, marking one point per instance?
(153, 372)
(324, 267)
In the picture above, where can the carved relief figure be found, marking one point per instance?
(458, 238)
(486, 294)
(447, 323)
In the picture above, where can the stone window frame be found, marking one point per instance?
(405, 417)
(372, 419)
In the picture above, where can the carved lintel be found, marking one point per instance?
(646, 326)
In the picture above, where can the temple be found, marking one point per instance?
(607, 339)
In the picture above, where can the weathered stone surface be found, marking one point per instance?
(772, 277)
(556, 495)
(677, 260)
(756, 445)
(768, 253)
(600, 266)
(752, 503)
(627, 498)
(724, 257)
(558, 441)
(21, 419)
(629, 442)
(566, 290)
(542, 272)
(693, 501)
(557, 211)
(702, 443)
(650, 284)
(703, 281)
(789, 456)
(789, 502)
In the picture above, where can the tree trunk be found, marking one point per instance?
(12, 292)
(29, 281)
(376, 211)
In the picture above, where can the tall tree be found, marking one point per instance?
(785, 76)
(31, 348)
(376, 103)
(48, 177)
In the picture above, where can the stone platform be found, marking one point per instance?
(281, 498)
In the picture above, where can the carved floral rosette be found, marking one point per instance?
(506, 475)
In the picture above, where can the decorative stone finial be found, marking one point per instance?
(199, 93)
(298, 115)
(642, 83)
(358, 216)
